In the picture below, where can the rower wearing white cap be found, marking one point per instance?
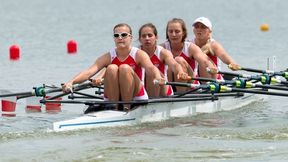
(202, 29)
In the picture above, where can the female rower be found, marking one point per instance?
(123, 79)
(187, 54)
(161, 58)
(202, 29)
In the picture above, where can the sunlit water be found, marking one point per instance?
(257, 132)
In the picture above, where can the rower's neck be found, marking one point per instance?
(122, 53)
(149, 50)
(176, 48)
(201, 42)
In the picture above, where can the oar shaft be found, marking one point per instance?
(230, 73)
(180, 84)
(259, 92)
(18, 94)
(284, 82)
(281, 73)
(84, 95)
(75, 88)
(204, 79)
(24, 96)
(53, 90)
(272, 87)
(254, 70)
(237, 74)
(138, 102)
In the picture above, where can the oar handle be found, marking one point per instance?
(181, 84)
(234, 74)
(254, 70)
(75, 88)
(205, 79)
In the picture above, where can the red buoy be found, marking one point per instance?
(72, 46)
(14, 53)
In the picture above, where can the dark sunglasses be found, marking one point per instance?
(122, 35)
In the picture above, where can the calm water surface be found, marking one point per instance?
(257, 132)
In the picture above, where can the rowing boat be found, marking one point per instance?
(155, 110)
(213, 96)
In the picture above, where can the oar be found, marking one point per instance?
(234, 74)
(28, 94)
(181, 94)
(216, 88)
(43, 91)
(138, 102)
(38, 91)
(203, 79)
(84, 95)
(244, 83)
(264, 78)
(74, 88)
(182, 84)
(212, 87)
(229, 89)
(281, 73)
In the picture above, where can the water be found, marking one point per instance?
(257, 132)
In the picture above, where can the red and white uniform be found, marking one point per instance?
(185, 54)
(163, 68)
(130, 60)
(213, 58)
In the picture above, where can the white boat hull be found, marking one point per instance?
(153, 112)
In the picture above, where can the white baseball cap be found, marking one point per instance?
(205, 21)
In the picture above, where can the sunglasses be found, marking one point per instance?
(122, 35)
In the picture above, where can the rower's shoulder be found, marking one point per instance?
(141, 54)
(216, 44)
(105, 55)
(140, 51)
(165, 52)
(191, 45)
